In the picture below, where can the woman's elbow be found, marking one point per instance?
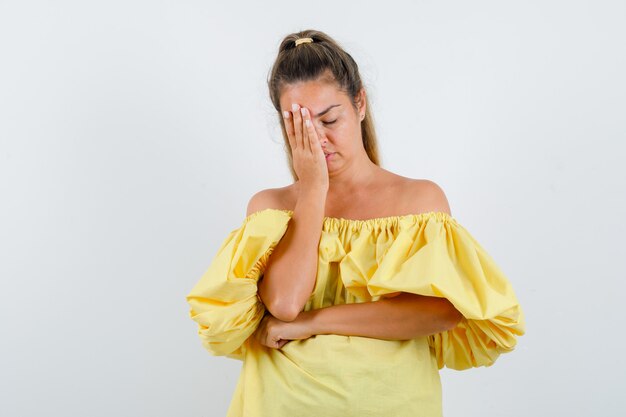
(283, 311)
(277, 305)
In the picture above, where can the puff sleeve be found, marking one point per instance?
(439, 257)
(224, 302)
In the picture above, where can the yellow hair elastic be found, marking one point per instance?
(303, 40)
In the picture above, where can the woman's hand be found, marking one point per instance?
(275, 333)
(309, 161)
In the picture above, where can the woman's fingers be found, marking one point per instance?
(297, 125)
(288, 120)
(305, 127)
(313, 139)
(300, 130)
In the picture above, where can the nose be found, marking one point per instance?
(322, 138)
(321, 134)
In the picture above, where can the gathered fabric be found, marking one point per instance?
(429, 254)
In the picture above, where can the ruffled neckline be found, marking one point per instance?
(332, 223)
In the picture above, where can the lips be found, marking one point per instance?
(328, 155)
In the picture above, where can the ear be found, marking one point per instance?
(361, 103)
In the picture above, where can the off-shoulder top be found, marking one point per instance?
(430, 254)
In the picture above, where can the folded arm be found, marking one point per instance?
(402, 317)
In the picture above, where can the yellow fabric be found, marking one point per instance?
(359, 260)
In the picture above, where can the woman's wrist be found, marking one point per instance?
(316, 191)
(308, 321)
(314, 198)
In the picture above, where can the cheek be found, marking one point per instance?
(345, 131)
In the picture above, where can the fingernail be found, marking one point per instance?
(303, 111)
(307, 122)
(295, 107)
(286, 114)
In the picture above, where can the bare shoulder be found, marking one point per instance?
(276, 198)
(427, 196)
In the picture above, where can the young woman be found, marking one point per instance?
(345, 292)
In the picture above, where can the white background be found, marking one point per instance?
(133, 133)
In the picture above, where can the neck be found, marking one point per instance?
(355, 175)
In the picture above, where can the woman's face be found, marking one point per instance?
(337, 122)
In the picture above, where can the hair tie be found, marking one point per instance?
(303, 40)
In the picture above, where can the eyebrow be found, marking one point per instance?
(326, 111)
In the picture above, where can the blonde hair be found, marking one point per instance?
(309, 61)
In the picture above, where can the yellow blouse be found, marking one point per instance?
(359, 260)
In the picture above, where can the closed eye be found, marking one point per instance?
(330, 123)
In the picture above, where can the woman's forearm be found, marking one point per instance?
(403, 317)
(289, 278)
